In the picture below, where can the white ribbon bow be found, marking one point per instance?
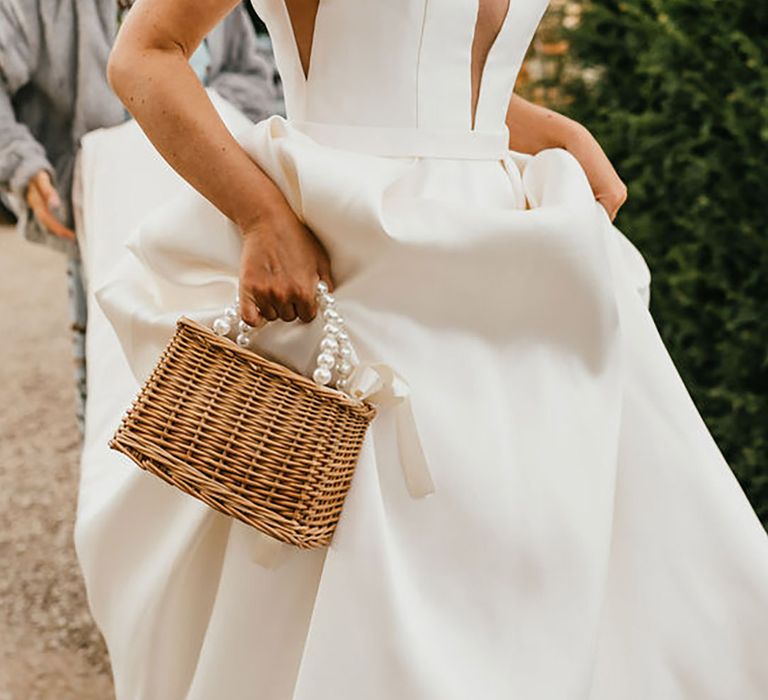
(380, 384)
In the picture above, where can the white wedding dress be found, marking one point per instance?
(585, 538)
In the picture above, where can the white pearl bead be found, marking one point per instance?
(243, 327)
(326, 300)
(232, 314)
(342, 336)
(344, 368)
(346, 351)
(243, 340)
(325, 359)
(342, 384)
(330, 329)
(322, 375)
(221, 326)
(329, 344)
(331, 315)
(322, 287)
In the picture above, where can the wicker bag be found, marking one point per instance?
(249, 437)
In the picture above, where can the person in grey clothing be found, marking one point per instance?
(53, 90)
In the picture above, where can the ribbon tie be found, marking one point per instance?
(380, 384)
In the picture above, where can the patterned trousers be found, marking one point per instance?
(78, 320)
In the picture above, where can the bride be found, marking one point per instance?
(582, 537)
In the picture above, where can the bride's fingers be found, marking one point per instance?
(249, 312)
(306, 309)
(613, 199)
(269, 312)
(288, 312)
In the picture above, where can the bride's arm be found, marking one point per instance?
(150, 72)
(533, 128)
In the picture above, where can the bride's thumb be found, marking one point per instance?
(250, 313)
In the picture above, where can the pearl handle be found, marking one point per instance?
(336, 360)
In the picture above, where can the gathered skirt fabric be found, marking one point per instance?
(585, 538)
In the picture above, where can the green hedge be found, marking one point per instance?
(677, 93)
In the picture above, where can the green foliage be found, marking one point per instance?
(677, 93)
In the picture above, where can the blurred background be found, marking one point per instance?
(677, 93)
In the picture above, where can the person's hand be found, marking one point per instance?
(280, 265)
(42, 199)
(606, 184)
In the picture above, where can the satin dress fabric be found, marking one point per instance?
(583, 537)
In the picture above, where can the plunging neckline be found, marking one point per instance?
(304, 72)
(476, 92)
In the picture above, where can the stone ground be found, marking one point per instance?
(50, 648)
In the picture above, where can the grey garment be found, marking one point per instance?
(243, 68)
(53, 89)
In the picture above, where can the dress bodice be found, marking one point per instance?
(399, 63)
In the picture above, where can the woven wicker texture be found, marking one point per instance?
(247, 436)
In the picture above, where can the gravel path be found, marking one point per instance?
(49, 646)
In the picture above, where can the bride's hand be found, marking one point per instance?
(280, 265)
(606, 184)
(533, 128)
